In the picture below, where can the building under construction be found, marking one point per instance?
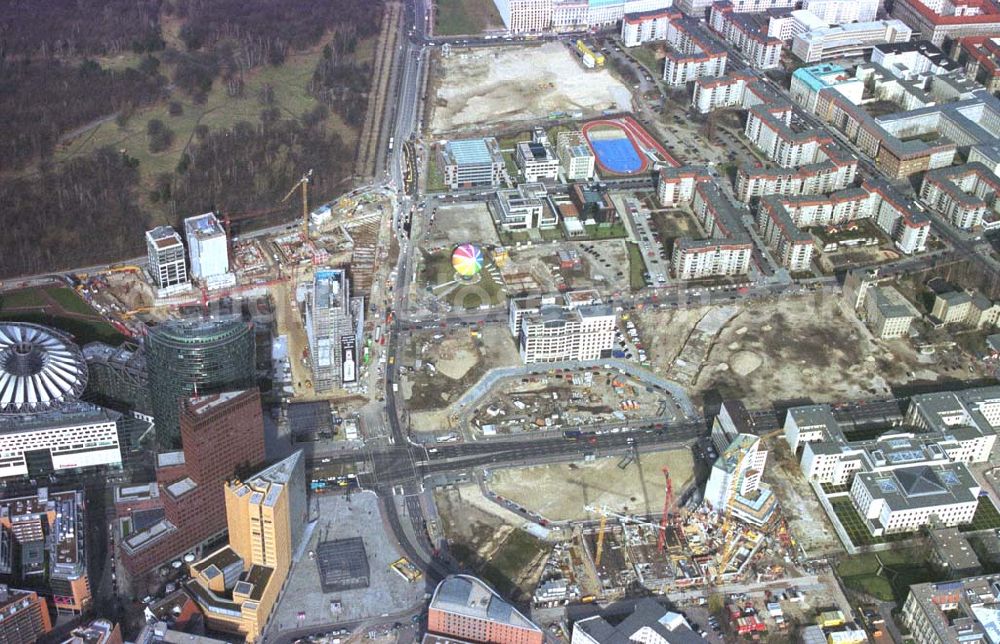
(334, 331)
(718, 539)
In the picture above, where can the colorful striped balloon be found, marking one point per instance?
(467, 260)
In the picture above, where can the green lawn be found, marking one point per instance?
(435, 176)
(437, 269)
(16, 306)
(635, 267)
(69, 300)
(83, 331)
(855, 525)
(22, 299)
(900, 568)
(646, 55)
(472, 296)
(986, 517)
(465, 17)
(511, 559)
(614, 231)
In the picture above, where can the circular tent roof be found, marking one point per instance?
(40, 369)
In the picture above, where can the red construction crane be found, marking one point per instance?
(668, 503)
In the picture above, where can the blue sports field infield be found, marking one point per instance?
(617, 155)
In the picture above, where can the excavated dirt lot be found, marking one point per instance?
(459, 360)
(483, 536)
(560, 491)
(790, 349)
(495, 85)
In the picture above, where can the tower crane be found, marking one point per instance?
(727, 522)
(604, 513)
(304, 184)
(600, 541)
(668, 502)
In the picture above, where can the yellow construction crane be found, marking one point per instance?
(600, 541)
(304, 183)
(730, 543)
(604, 513)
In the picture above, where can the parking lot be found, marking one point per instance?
(655, 257)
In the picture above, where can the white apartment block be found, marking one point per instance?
(838, 12)
(695, 53)
(793, 246)
(729, 248)
(834, 172)
(695, 259)
(712, 94)
(576, 159)
(167, 264)
(749, 33)
(525, 16)
(78, 435)
(908, 228)
(639, 28)
(845, 41)
(769, 127)
(557, 333)
(675, 186)
(678, 70)
(965, 195)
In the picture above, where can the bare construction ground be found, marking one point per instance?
(603, 265)
(524, 404)
(496, 85)
(459, 223)
(806, 519)
(450, 361)
(483, 536)
(560, 491)
(793, 348)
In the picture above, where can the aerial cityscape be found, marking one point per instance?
(500, 321)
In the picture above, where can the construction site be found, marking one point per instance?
(568, 399)
(627, 522)
(810, 346)
(259, 274)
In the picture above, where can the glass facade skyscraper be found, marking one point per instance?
(185, 358)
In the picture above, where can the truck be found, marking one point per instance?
(572, 434)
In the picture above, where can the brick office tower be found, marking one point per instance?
(24, 616)
(464, 608)
(220, 433)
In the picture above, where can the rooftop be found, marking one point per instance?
(647, 615)
(203, 226)
(922, 486)
(40, 369)
(472, 151)
(470, 596)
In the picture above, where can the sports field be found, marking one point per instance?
(614, 149)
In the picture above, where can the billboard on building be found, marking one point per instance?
(348, 360)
